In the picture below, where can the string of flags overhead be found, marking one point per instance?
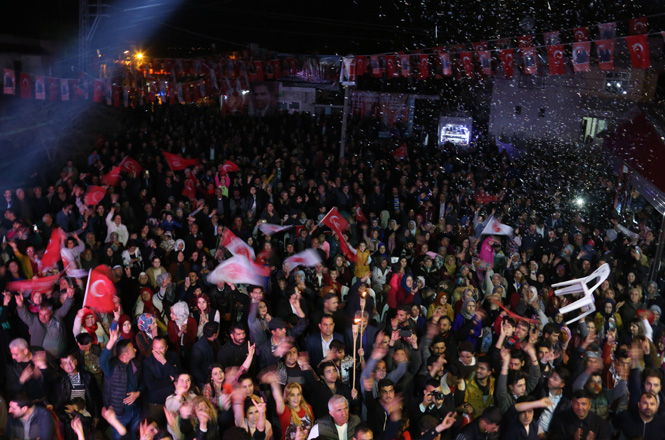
(159, 82)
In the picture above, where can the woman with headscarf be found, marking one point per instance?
(179, 267)
(86, 322)
(181, 328)
(468, 324)
(606, 315)
(402, 290)
(148, 330)
(441, 300)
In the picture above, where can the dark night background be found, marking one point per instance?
(340, 27)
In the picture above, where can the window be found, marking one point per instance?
(616, 83)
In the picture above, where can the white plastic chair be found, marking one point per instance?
(580, 285)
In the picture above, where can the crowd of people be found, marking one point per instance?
(429, 328)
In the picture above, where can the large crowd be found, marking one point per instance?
(431, 328)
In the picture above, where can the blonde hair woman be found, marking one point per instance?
(293, 411)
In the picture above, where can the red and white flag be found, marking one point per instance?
(52, 89)
(309, 257)
(178, 163)
(361, 65)
(335, 221)
(508, 62)
(64, 90)
(26, 86)
(581, 52)
(94, 195)
(485, 61)
(100, 291)
(112, 177)
(446, 66)
(525, 41)
(52, 253)
(480, 46)
(189, 190)
(270, 229)
(130, 165)
(405, 65)
(400, 152)
(529, 56)
(40, 88)
(349, 252)
(494, 227)
(8, 82)
(423, 63)
(639, 51)
(638, 26)
(581, 34)
(390, 66)
(605, 52)
(467, 62)
(229, 167)
(237, 246)
(556, 59)
(42, 285)
(117, 100)
(236, 270)
(360, 217)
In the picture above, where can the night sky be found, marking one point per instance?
(340, 27)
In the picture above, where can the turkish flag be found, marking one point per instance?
(581, 52)
(270, 229)
(401, 151)
(42, 285)
(556, 59)
(177, 163)
(638, 26)
(605, 52)
(360, 217)
(268, 70)
(525, 41)
(529, 57)
(494, 227)
(335, 221)
(361, 65)
(405, 63)
(52, 253)
(8, 82)
(309, 258)
(99, 89)
(237, 246)
(236, 270)
(189, 190)
(580, 34)
(112, 177)
(100, 290)
(94, 195)
(40, 88)
(467, 62)
(480, 46)
(639, 51)
(188, 93)
(258, 66)
(130, 165)
(117, 102)
(229, 167)
(349, 252)
(503, 43)
(64, 90)
(196, 92)
(424, 66)
(390, 66)
(446, 66)
(508, 62)
(26, 86)
(277, 68)
(52, 89)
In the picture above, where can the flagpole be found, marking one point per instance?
(87, 284)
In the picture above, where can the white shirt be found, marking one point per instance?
(325, 346)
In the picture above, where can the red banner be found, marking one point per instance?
(467, 62)
(130, 165)
(638, 26)
(423, 60)
(529, 58)
(335, 221)
(112, 177)
(8, 81)
(390, 66)
(52, 89)
(94, 195)
(508, 62)
(605, 52)
(556, 59)
(177, 163)
(639, 51)
(100, 290)
(26, 86)
(52, 253)
(485, 61)
(40, 88)
(446, 67)
(405, 65)
(581, 56)
(581, 34)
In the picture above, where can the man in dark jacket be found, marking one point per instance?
(160, 369)
(578, 421)
(74, 383)
(121, 383)
(339, 419)
(643, 421)
(485, 427)
(204, 353)
(318, 343)
(28, 421)
(234, 352)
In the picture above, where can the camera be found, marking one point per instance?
(405, 333)
(436, 395)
